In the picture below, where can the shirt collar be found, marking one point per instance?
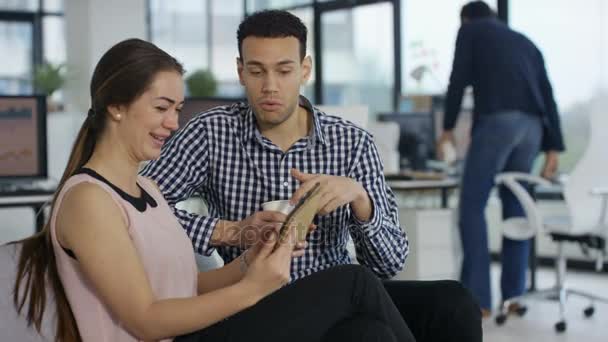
(250, 128)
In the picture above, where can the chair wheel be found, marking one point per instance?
(589, 311)
(560, 326)
(520, 311)
(501, 319)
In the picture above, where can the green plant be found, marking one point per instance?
(48, 77)
(201, 83)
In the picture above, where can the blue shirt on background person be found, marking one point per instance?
(507, 72)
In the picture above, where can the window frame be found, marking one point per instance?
(35, 18)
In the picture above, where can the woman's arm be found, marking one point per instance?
(233, 272)
(91, 224)
(221, 277)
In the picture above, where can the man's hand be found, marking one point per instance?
(247, 232)
(253, 229)
(446, 137)
(336, 191)
(551, 165)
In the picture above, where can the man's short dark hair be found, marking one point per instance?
(272, 24)
(476, 10)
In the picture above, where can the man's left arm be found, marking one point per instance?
(461, 76)
(373, 221)
(380, 242)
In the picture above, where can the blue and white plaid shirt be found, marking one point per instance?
(222, 155)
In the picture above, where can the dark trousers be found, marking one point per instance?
(437, 311)
(501, 142)
(343, 303)
(349, 303)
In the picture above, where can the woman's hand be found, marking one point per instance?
(268, 268)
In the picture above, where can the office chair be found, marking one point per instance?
(586, 197)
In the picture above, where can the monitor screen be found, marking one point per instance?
(416, 138)
(23, 137)
(196, 105)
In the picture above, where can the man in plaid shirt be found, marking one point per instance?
(276, 146)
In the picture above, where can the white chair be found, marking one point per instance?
(585, 224)
(13, 327)
(357, 114)
(196, 205)
(386, 137)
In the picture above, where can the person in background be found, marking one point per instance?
(276, 146)
(515, 117)
(121, 268)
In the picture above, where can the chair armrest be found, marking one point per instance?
(521, 176)
(601, 192)
(534, 221)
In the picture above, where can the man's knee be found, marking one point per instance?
(358, 272)
(360, 328)
(452, 295)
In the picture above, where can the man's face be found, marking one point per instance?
(272, 72)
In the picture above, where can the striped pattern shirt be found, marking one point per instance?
(221, 155)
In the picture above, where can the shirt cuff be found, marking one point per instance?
(204, 247)
(373, 225)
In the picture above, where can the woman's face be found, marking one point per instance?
(152, 117)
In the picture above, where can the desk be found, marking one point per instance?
(434, 247)
(444, 186)
(35, 199)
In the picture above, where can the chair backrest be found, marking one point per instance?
(386, 137)
(357, 114)
(590, 172)
(12, 326)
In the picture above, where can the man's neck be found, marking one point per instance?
(293, 129)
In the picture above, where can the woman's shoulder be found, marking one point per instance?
(88, 199)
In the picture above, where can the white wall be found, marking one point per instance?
(92, 27)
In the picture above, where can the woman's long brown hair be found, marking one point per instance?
(123, 74)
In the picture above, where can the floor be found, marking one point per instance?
(538, 322)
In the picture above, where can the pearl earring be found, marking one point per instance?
(118, 116)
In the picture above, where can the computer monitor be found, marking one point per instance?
(196, 105)
(23, 145)
(416, 138)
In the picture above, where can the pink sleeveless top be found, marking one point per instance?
(164, 249)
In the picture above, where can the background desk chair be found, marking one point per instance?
(585, 223)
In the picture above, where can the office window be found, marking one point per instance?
(307, 17)
(16, 67)
(257, 5)
(54, 39)
(53, 5)
(225, 19)
(18, 34)
(19, 5)
(201, 35)
(358, 57)
(54, 49)
(428, 36)
(575, 58)
(180, 27)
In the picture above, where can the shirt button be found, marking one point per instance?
(285, 184)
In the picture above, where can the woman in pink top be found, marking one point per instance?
(122, 269)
